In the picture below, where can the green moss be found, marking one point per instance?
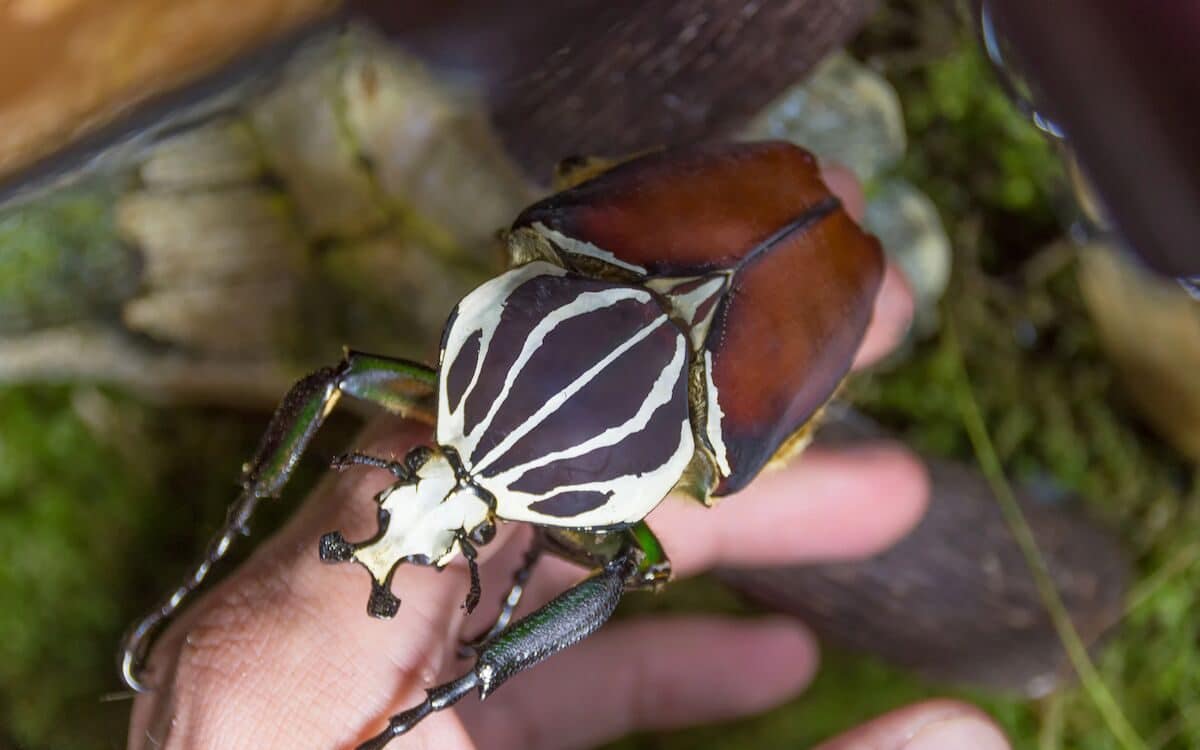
(959, 102)
(61, 260)
(990, 172)
(68, 507)
(103, 501)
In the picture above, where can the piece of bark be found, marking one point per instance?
(610, 78)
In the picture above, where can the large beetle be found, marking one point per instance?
(672, 322)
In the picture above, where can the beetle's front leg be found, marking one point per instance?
(470, 554)
(511, 600)
(396, 385)
(563, 621)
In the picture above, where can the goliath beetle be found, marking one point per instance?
(671, 322)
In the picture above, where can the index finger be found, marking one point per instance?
(831, 505)
(890, 319)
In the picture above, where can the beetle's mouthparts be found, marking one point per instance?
(425, 519)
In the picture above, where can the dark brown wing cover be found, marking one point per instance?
(804, 275)
(786, 335)
(688, 210)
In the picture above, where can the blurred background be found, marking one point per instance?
(200, 202)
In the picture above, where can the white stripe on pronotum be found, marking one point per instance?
(581, 305)
(633, 495)
(554, 402)
(482, 308)
(660, 394)
(687, 305)
(630, 496)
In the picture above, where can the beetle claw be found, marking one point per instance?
(472, 601)
(334, 548)
(383, 604)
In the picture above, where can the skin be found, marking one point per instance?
(282, 655)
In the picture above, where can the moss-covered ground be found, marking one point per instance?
(104, 497)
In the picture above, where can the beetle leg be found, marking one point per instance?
(511, 600)
(399, 469)
(396, 385)
(593, 549)
(469, 554)
(563, 621)
(653, 566)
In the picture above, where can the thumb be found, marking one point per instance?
(933, 725)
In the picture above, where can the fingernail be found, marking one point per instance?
(959, 733)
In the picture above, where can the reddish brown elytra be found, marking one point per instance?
(801, 277)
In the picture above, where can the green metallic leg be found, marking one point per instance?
(635, 558)
(587, 549)
(653, 568)
(396, 385)
(593, 549)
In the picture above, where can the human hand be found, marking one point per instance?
(281, 653)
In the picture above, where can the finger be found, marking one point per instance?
(890, 320)
(829, 505)
(651, 674)
(842, 183)
(934, 725)
(894, 305)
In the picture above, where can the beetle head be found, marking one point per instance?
(423, 519)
